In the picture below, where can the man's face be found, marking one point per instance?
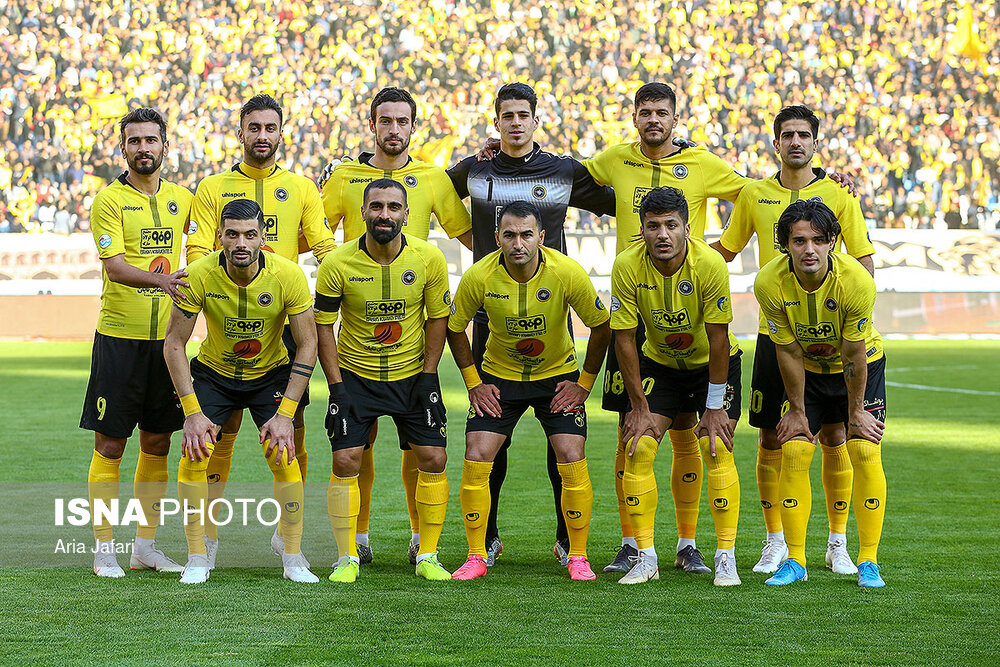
(795, 143)
(385, 214)
(655, 121)
(516, 124)
(808, 249)
(519, 239)
(241, 241)
(260, 134)
(143, 149)
(392, 126)
(665, 235)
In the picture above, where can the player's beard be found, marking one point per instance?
(251, 150)
(242, 264)
(393, 151)
(797, 161)
(145, 169)
(657, 140)
(381, 236)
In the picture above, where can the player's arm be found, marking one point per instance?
(328, 298)
(794, 423)
(639, 420)
(427, 389)
(205, 220)
(588, 194)
(332, 199)
(721, 180)
(715, 423)
(738, 231)
(459, 175)
(449, 209)
(279, 428)
(313, 224)
(484, 398)
(198, 429)
(868, 261)
(120, 271)
(860, 423)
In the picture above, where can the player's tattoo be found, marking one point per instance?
(303, 373)
(849, 369)
(186, 313)
(302, 369)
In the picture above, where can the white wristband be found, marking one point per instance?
(716, 395)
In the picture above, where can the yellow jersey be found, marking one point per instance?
(674, 309)
(529, 337)
(289, 201)
(428, 190)
(245, 323)
(694, 170)
(383, 307)
(148, 231)
(841, 308)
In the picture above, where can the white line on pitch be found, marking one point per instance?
(949, 390)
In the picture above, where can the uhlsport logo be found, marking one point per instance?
(472, 516)
(720, 503)
(790, 503)
(871, 504)
(765, 504)
(573, 514)
(631, 501)
(840, 506)
(689, 476)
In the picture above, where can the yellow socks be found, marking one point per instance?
(218, 475)
(623, 515)
(723, 491)
(300, 450)
(796, 496)
(838, 480)
(149, 487)
(343, 498)
(408, 471)
(288, 493)
(432, 500)
(366, 479)
(685, 480)
(869, 495)
(639, 485)
(577, 502)
(192, 490)
(768, 470)
(102, 483)
(475, 497)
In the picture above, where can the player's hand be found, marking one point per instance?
(569, 395)
(845, 181)
(489, 150)
(198, 432)
(280, 430)
(426, 398)
(170, 283)
(715, 423)
(638, 422)
(339, 411)
(794, 424)
(485, 399)
(863, 425)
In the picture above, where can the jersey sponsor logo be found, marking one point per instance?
(160, 265)
(410, 181)
(387, 333)
(192, 227)
(529, 347)
(821, 350)
(240, 327)
(495, 295)
(680, 171)
(361, 279)
(271, 227)
(361, 180)
(830, 304)
(616, 304)
(246, 349)
(392, 310)
(543, 294)
(678, 341)
(132, 208)
(772, 327)
(820, 332)
(685, 287)
(155, 240)
(668, 320)
(532, 325)
(721, 303)
(629, 163)
(409, 277)
(281, 194)
(172, 207)
(216, 295)
(599, 304)
(768, 201)
(861, 323)
(637, 196)
(538, 192)
(154, 292)
(264, 299)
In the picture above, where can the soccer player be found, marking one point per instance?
(522, 171)
(530, 361)
(689, 367)
(246, 296)
(137, 223)
(429, 190)
(290, 203)
(818, 308)
(760, 203)
(392, 292)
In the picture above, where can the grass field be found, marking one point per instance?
(938, 554)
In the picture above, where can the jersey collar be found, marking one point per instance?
(538, 269)
(818, 175)
(366, 159)
(260, 265)
(124, 181)
(364, 246)
(507, 160)
(253, 172)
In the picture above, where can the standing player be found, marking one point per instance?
(522, 171)
(818, 308)
(529, 361)
(392, 291)
(429, 190)
(760, 203)
(137, 223)
(290, 202)
(246, 296)
(689, 366)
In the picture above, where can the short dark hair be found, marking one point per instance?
(663, 200)
(261, 102)
(143, 115)
(796, 112)
(814, 211)
(516, 91)
(384, 184)
(393, 94)
(654, 92)
(522, 210)
(242, 209)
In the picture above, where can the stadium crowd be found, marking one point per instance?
(911, 121)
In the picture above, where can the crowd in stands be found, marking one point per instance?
(914, 123)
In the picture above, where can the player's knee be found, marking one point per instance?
(191, 471)
(684, 421)
(347, 462)
(645, 452)
(832, 435)
(432, 459)
(108, 447)
(769, 439)
(157, 444)
(797, 455)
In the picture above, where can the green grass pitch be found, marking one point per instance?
(942, 533)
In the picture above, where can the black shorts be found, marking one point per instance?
(371, 399)
(615, 398)
(826, 396)
(289, 340)
(129, 385)
(516, 397)
(671, 392)
(219, 395)
(767, 389)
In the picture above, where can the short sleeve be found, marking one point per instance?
(332, 199)
(600, 167)
(721, 180)
(717, 305)
(204, 222)
(624, 307)
(858, 302)
(583, 297)
(437, 296)
(329, 291)
(853, 230)
(468, 299)
(738, 232)
(448, 207)
(768, 294)
(107, 226)
(296, 291)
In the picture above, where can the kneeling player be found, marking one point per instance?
(818, 306)
(529, 361)
(384, 362)
(245, 295)
(690, 365)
